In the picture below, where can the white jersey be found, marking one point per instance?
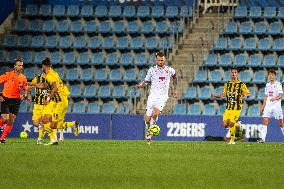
(272, 91)
(160, 81)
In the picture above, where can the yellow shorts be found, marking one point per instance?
(49, 108)
(60, 111)
(37, 112)
(232, 115)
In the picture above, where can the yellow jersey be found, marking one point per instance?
(40, 94)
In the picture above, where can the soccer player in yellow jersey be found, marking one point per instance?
(56, 103)
(234, 91)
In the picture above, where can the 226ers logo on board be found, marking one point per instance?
(270, 93)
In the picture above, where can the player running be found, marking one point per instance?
(14, 82)
(271, 106)
(234, 91)
(159, 76)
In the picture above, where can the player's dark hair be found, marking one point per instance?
(46, 62)
(160, 54)
(17, 60)
(272, 71)
(235, 68)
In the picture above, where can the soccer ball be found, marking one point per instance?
(23, 135)
(154, 130)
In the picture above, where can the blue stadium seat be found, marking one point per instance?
(179, 109)
(34, 26)
(261, 93)
(51, 42)
(115, 11)
(136, 43)
(260, 28)
(120, 108)
(244, 110)
(104, 27)
(72, 74)
(55, 57)
(255, 12)
(210, 60)
(37, 41)
(119, 92)
(101, 75)
(133, 92)
(126, 59)
(176, 27)
(264, 44)
(119, 27)
(143, 12)
(240, 60)
(246, 28)
(90, 91)
(254, 111)
(245, 76)
(157, 11)
(29, 73)
(151, 43)
(83, 58)
(129, 75)
(31, 10)
(48, 26)
(241, 12)
(184, 12)
(189, 93)
(112, 59)
(90, 27)
(269, 60)
(275, 28)
(115, 75)
(278, 44)
(10, 41)
(172, 12)
(79, 107)
(253, 93)
(68, 58)
(140, 59)
(45, 10)
(269, 12)
(23, 41)
(108, 43)
(231, 28)
(63, 26)
(147, 27)
(104, 91)
(221, 44)
(200, 76)
(94, 107)
(255, 60)
(23, 106)
(101, 11)
(129, 12)
(87, 74)
(65, 42)
(280, 61)
(87, 11)
(219, 90)
(11, 56)
(108, 108)
(221, 109)
(98, 59)
(205, 93)
(76, 26)
(279, 75)
(75, 91)
(259, 77)
(79, 42)
(280, 13)
(235, 43)
(225, 60)
(122, 43)
(20, 25)
(133, 27)
(194, 109)
(58, 10)
(142, 74)
(215, 76)
(94, 43)
(209, 109)
(250, 44)
(39, 56)
(27, 56)
(73, 11)
(165, 43)
(126, 108)
(162, 27)
(60, 72)
(2, 59)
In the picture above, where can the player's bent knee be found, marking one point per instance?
(53, 125)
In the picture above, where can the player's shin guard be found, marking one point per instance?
(41, 133)
(233, 132)
(6, 131)
(50, 132)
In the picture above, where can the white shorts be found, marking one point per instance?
(273, 111)
(155, 103)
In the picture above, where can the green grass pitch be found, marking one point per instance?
(135, 165)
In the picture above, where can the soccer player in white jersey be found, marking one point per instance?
(159, 76)
(271, 106)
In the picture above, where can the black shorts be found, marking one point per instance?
(10, 105)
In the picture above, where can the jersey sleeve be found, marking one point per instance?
(280, 90)
(265, 90)
(148, 76)
(4, 77)
(245, 89)
(173, 72)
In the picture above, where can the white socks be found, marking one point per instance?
(153, 121)
(282, 129)
(263, 132)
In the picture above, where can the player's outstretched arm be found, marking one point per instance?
(219, 96)
(175, 86)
